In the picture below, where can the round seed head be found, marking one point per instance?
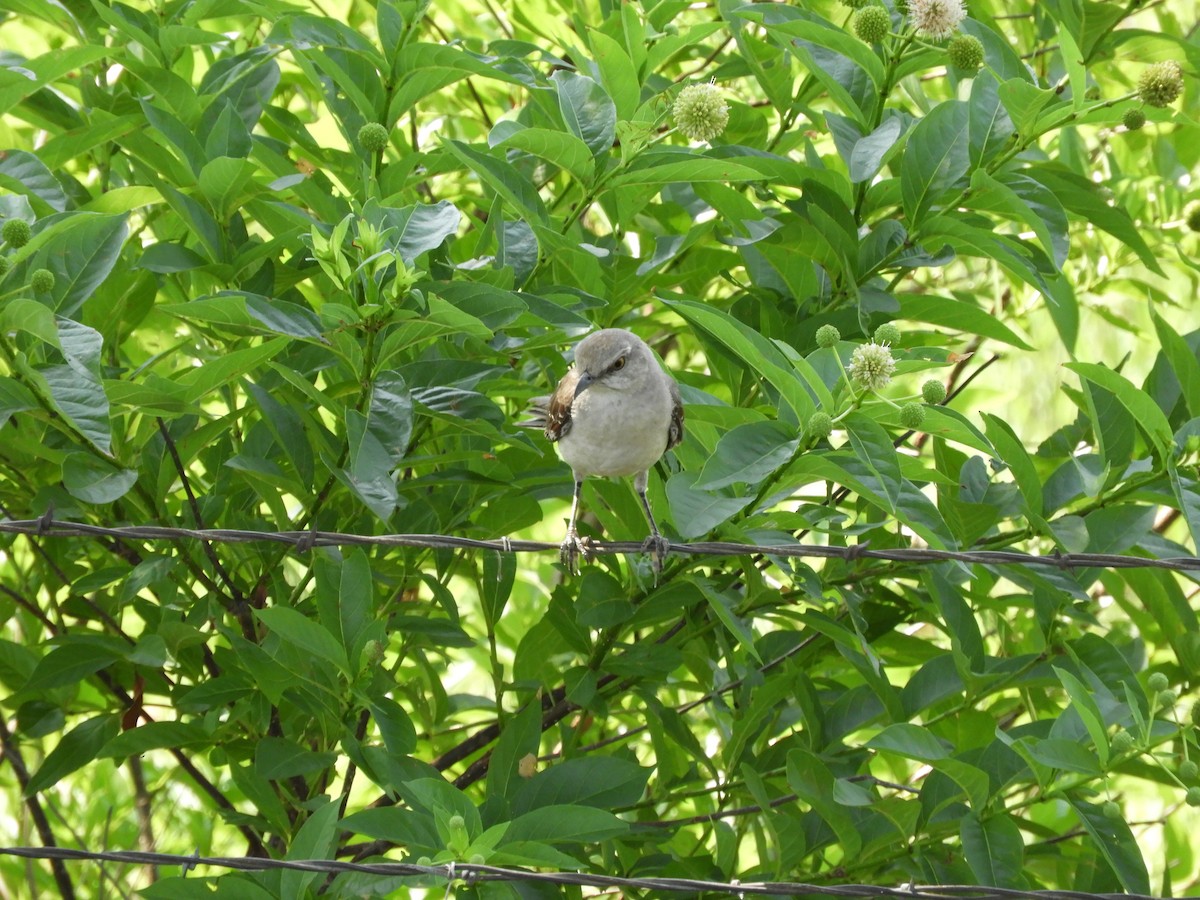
(700, 112)
(42, 281)
(828, 336)
(1122, 742)
(1188, 770)
(373, 137)
(872, 24)
(819, 425)
(1193, 796)
(1157, 682)
(887, 333)
(933, 392)
(966, 52)
(912, 416)
(1161, 84)
(1133, 119)
(15, 232)
(1111, 809)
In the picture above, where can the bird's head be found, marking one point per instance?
(614, 358)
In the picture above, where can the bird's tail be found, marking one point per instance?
(538, 411)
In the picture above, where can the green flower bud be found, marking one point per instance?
(1192, 216)
(1133, 119)
(457, 823)
(1122, 742)
(700, 113)
(887, 333)
(828, 336)
(1111, 809)
(1188, 770)
(912, 416)
(1193, 796)
(933, 392)
(424, 861)
(42, 281)
(966, 52)
(1161, 84)
(871, 366)
(872, 24)
(15, 232)
(819, 425)
(1167, 698)
(477, 859)
(1157, 682)
(373, 137)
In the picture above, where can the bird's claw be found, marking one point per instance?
(573, 547)
(658, 547)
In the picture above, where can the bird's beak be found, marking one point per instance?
(585, 380)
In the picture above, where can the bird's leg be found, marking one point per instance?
(656, 545)
(572, 547)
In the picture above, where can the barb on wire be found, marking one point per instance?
(304, 541)
(473, 872)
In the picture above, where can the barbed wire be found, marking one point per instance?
(472, 873)
(305, 541)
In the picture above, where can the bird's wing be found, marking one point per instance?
(558, 407)
(675, 427)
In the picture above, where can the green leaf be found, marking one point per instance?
(603, 782)
(502, 178)
(1025, 475)
(587, 109)
(80, 397)
(911, 741)
(1117, 844)
(276, 758)
(78, 747)
(748, 454)
(81, 249)
(563, 150)
(958, 315)
(1024, 103)
(1087, 200)
(1152, 421)
(1058, 753)
(1084, 704)
(21, 172)
(1182, 361)
(154, 736)
(93, 481)
(994, 850)
(935, 157)
(302, 632)
(519, 738)
(812, 781)
(877, 454)
(68, 663)
(871, 151)
(369, 473)
(563, 824)
(316, 839)
(723, 605)
(656, 169)
(696, 512)
(418, 228)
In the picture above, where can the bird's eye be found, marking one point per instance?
(619, 364)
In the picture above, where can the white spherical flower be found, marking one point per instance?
(700, 112)
(871, 366)
(936, 19)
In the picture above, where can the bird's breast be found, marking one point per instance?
(610, 435)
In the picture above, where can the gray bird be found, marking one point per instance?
(615, 414)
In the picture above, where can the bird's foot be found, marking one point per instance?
(658, 547)
(573, 547)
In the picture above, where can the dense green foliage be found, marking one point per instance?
(294, 266)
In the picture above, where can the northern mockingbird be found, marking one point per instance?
(616, 413)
